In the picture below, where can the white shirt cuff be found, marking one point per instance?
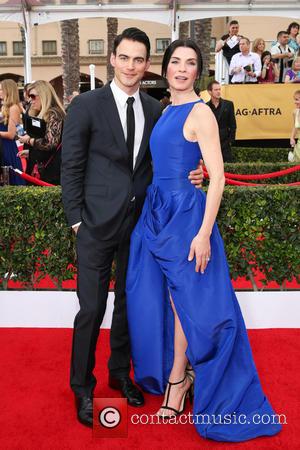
(76, 225)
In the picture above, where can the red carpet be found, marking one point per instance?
(37, 410)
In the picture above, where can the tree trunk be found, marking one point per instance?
(202, 35)
(184, 30)
(112, 31)
(70, 57)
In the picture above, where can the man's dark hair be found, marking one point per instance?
(281, 33)
(210, 85)
(133, 34)
(245, 39)
(292, 25)
(189, 43)
(233, 22)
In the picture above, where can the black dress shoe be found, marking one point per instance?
(128, 390)
(84, 407)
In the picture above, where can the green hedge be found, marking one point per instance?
(247, 154)
(260, 227)
(260, 167)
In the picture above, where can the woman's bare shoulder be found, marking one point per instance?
(14, 109)
(202, 111)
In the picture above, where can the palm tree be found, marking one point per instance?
(112, 31)
(201, 33)
(184, 30)
(70, 57)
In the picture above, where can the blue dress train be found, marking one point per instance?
(227, 387)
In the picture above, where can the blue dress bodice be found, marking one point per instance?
(173, 155)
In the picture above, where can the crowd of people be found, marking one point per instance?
(279, 64)
(41, 142)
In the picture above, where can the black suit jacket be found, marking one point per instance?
(97, 185)
(226, 120)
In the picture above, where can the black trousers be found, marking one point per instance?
(94, 262)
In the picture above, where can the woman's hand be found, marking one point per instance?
(200, 249)
(24, 139)
(23, 154)
(292, 142)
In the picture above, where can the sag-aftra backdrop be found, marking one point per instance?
(263, 111)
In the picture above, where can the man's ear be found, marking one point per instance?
(148, 64)
(113, 59)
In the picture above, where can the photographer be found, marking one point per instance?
(269, 71)
(282, 54)
(229, 43)
(245, 66)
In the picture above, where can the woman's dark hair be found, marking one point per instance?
(292, 25)
(188, 43)
(264, 54)
(133, 34)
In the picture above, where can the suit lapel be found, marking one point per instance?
(113, 119)
(147, 130)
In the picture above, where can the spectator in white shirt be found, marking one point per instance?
(245, 67)
(282, 54)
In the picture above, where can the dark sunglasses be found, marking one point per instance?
(33, 96)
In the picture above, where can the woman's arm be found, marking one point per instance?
(14, 119)
(263, 72)
(53, 133)
(276, 70)
(204, 126)
(294, 131)
(288, 77)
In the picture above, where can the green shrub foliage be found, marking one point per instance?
(259, 225)
(242, 154)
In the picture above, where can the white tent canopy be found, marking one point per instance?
(169, 12)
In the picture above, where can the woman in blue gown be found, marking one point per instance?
(10, 116)
(185, 324)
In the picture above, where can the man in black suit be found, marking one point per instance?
(224, 113)
(106, 168)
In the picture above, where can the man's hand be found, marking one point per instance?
(196, 176)
(251, 74)
(75, 229)
(237, 69)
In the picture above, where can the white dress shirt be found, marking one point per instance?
(121, 101)
(240, 60)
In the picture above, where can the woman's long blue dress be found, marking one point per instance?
(228, 400)
(10, 158)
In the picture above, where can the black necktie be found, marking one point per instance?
(130, 131)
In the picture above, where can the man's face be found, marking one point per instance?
(244, 46)
(130, 63)
(215, 92)
(234, 29)
(283, 39)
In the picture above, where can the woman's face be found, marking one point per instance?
(35, 100)
(267, 59)
(294, 31)
(261, 46)
(297, 100)
(182, 69)
(297, 66)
